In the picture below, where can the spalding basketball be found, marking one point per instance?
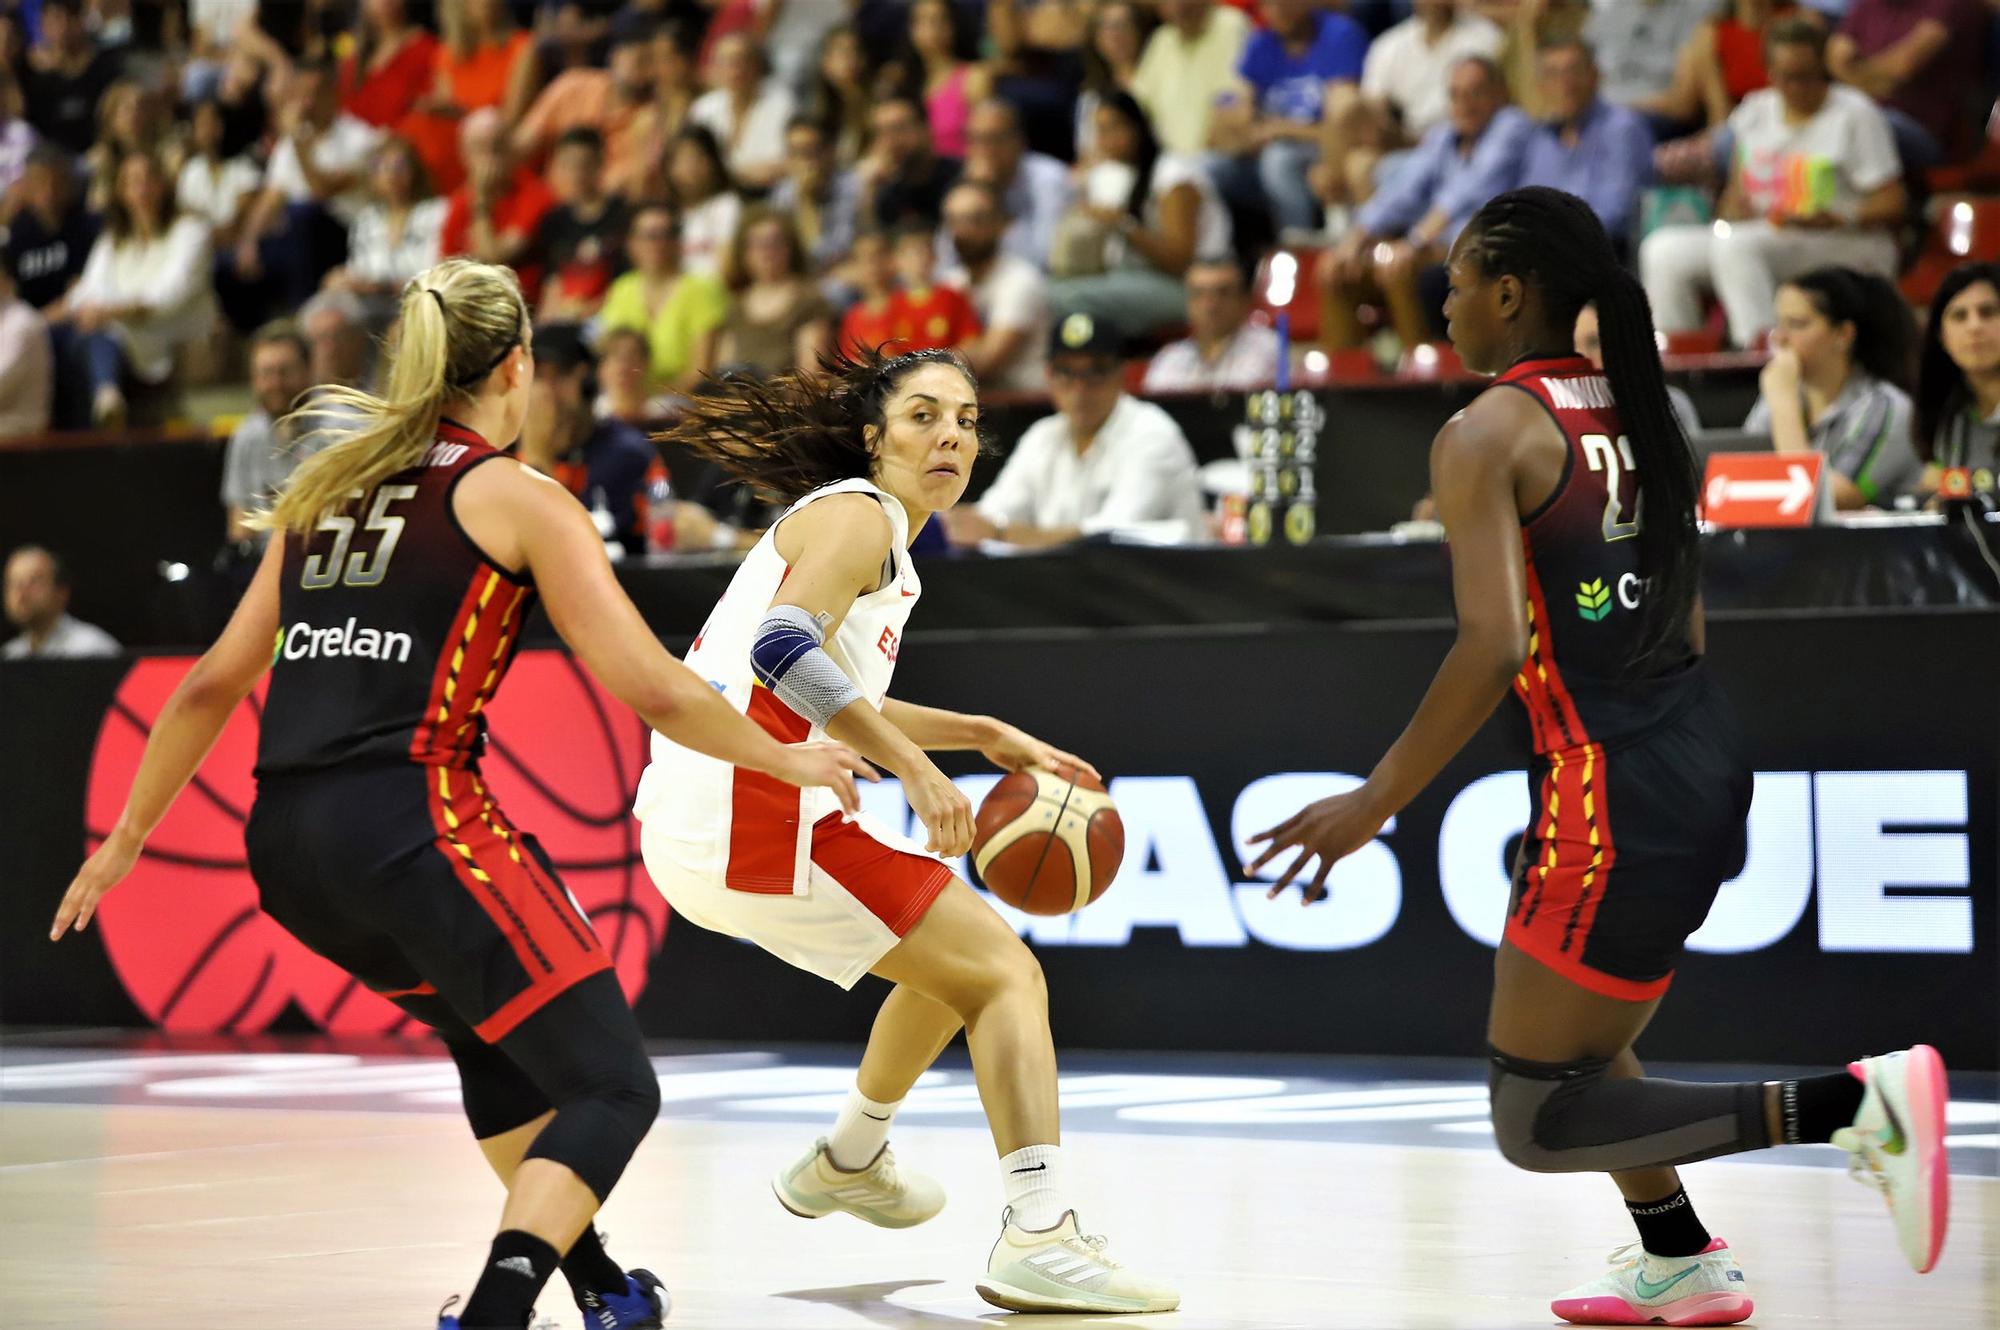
(1046, 844)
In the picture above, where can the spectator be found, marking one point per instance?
(1039, 46)
(27, 367)
(17, 137)
(38, 604)
(398, 235)
(335, 324)
(215, 188)
(707, 199)
(144, 294)
(1916, 58)
(794, 36)
(1637, 44)
(129, 120)
(1589, 147)
(600, 459)
(1403, 95)
(66, 77)
(1224, 351)
(1104, 463)
(1189, 62)
(1008, 293)
(1815, 182)
(393, 67)
(1034, 187)
(246, 103)
(623, 371)
(483, 61)
(841, 98)
(642, 177)
(314, 187)
(582, 238)
(1840, 354)
(266, 443)
(1591, 347)
(50, 232)
(608, 100)
(1722, 63)
(778, 323)
(1409, 225)
(495, 215)
(924, 314)
(901, 176)
(1157, 214)
(822, 199)
(1958, 376)
(1529, 25)
(869, 323)
(1270, 124)
(679, 311)
(1118, 33)
(930, 69)
(746, 111)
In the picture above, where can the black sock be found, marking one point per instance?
(1669, 1227)
(504, 1297)
(1818, 1106)
(589, 1269)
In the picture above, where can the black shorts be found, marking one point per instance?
(412, 880)
(1627, 847)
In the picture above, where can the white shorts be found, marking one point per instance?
(862, 895)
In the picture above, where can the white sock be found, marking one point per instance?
(1033, 1178)
(860, 1132)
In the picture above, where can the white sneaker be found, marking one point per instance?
(1063, 1270)
(1897, 1144)
(1644, 1289)
(881, 1193)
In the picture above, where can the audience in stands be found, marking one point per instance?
(778, 322)
(37, 593)
(747, 111)
(640, 175)
(1590, 346)
(701, 188)
(924, 315)
(65, 78)
(1816, 181)
(609, 100)
(1118, 33)
(27, 365)
(1009, 294)
(680, 311)
(1189, 62)
(1840, 355)
(623, 377)
(335, 325)
(840, 97)
(901, 175)
(393, 65)
(214, 187)
(497, 213)
(1916, 58)
(1638, 46)
(602, 460)
(1958, 377)
(931, 68)
(869, 322)
(49, 232)
(1409, 225)
(269, 441)
(1595, 149)
(483, 61)
(822, 198)
(1223, 351)
(581, 238)
(1034, 187)
(129, 119)
(17, 136)
(1104, 463)
(396, 236)
(143, 296)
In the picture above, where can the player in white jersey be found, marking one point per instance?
(804, 642)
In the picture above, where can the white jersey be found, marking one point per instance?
(743, 827)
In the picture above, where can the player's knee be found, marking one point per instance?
(633, 1091)
(1007, 973)
(1527, 1099)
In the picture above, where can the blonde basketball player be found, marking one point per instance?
(804, 642)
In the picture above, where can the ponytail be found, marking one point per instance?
(458, 322)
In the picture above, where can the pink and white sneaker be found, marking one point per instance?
(1644, 1289)
(1897, 1146)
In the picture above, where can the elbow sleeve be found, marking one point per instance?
(787, 658)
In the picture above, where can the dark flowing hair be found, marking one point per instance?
(1553, 242)
(1883, 328)
(789, 435)
(1127, 106)
(1941, 385)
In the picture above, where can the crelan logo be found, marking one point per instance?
(1593, 599)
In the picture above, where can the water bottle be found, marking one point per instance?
(659, 510)
(607, 525)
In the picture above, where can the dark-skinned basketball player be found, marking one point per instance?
(1568, 495)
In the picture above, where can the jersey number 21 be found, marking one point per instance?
(1604, 456)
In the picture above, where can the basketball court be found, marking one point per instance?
(178, 1186)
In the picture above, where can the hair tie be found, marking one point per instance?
(435, 296)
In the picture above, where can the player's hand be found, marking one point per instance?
(829, 764)
(943, 809)
(1015, 750)
(1329, 830)
(99, 874)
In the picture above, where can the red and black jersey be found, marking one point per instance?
(394, 629)
(1583, 683)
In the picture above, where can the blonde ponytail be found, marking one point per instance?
(457, 322)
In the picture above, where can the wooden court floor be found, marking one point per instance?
(178, 1218)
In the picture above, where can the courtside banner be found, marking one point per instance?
(1865, 918)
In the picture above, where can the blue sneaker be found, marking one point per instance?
(642, 1306)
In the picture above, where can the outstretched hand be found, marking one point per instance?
(99, 874)
(1329, 829)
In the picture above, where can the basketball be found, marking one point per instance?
(1046, 844)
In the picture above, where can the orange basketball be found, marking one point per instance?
(1047, 844)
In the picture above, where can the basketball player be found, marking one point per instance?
(395, 600)
(1568, 494)
(804, 642)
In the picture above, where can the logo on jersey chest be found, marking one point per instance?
(889, 645)
(1594, 599)
(302, 641)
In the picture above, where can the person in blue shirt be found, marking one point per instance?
(1267, 131)
(603, 462)
(1409, 224)
(1597, 150)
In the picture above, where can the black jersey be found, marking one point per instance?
(394, 629)
(1581, 685)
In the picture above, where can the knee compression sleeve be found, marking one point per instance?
(498, 1095)
(583, 1052)
(1572, 1118)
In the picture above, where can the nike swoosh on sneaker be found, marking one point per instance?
(1648, 1289)
(1893, 1141)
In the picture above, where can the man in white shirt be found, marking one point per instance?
(37, 591)
(1104, 463)
(1034, 187)
(1009, 294)
(1189, 61)
(1224, 350)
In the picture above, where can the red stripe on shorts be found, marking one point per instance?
(763, 810)
(895, 885)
